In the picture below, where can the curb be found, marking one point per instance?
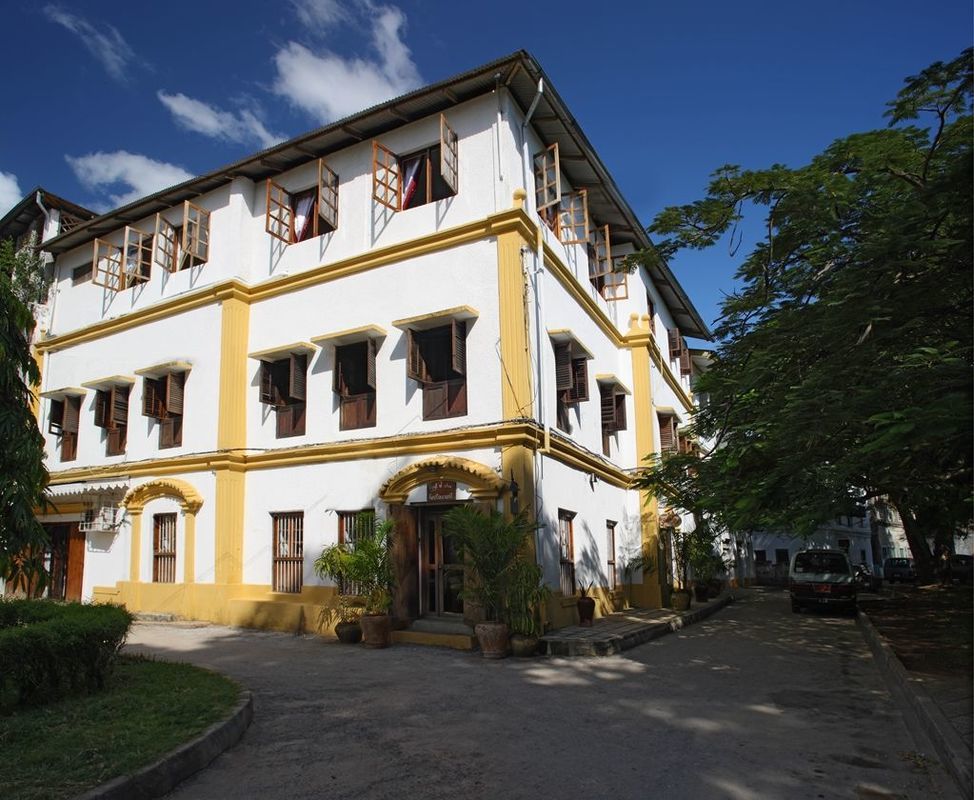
(947, 742)
(162, 777)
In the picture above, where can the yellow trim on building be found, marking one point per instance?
(234, 334)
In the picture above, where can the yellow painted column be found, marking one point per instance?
(639, 339)
(135, 520)
(189, 546)
(231, 435)
(516, 391)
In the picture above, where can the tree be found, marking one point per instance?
(23, 477)
(843, 365)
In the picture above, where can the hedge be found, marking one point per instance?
(49, 650)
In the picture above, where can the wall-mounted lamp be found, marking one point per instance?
(514, 490)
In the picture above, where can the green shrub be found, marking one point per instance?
(49, 650)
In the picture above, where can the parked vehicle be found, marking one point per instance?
(960, 568)
(899, 569)
(867, 581)
(822, 578)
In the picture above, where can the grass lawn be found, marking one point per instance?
(149, 708)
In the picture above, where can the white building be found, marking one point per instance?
(412, 307)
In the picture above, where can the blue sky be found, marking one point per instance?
(107, 101)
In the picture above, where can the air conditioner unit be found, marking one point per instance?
(99, 519)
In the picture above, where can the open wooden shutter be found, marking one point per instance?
(579, 390)
(153, 398)
(174, 384)
(573, 218)
(171, 431)
(103, 408)
(56, 418)
(608, 408)
(667, 433)
(370, 380)
(547, 178)
(166, 245)
(72, 414)
(449, 157)
(278, 218)
(327, 195)
(563, 366)
(137, 249)
(616, 286)
(676, 342)
(337, 375)
(600, 256)
(415, 366)
(620, 416)
(196, 233)
(115, 446)
(686, 365)
(267, 382)
(120, 406)
(386, 178)
(297, 376)
(458, 346)
(107, 266)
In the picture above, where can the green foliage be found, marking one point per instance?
(525, 593)
(30, 279)
(49, 650)
(23, 477)
(843, 369)
(490, 547)
(367, 562)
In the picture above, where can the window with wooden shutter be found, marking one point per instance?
(616, 286)
(564, 375)
(196, 235)
(566, 551)
(650, 310)
(153, 398)
(120, 406)
(102, 408)
(458, 349)
(166, 245)
(175, 384)
(438, 357)
(415, 367)
(354, 383)
(449, 156)
(573, 218)
(278, 216)
(386, 177)
(370, 379)
(608, 408)
(267, 394)
(600, 258)
(327, 198)
(686, 364)
(137, 247)
(55, 419)
(290, 420)
(667, 433)
(107, 266)
(170, 432)
(298, 376)
(69, 428)
(579, 391)
(675, 342)
(115, 441)
(547, 178)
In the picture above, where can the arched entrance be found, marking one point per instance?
(189, 499)
(428, 575)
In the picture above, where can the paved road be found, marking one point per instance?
(755, 703)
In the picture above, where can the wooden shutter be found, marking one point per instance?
(297, 387)
(675, 342)
(458, 346)
(435, 400)
(278, 217)
(620, 417)
(686, 365)
(115, 444)
(667, 432)
(386, 178)
(616, 286)
(449, 155)
(267, 382)
(56, 417)
(103, 408)
(167, 431)
(151, 399)
(608, 408)
(327, 195)
(137, 249)
(370, 380)
(415, 366)
(120, 406)
(579, 390)
(338, 374)
(196, 233)
(547, 178)
(573, 218)
(290, 419)
(600, 256)
(563, 366)
(72, 414)
(107, 266)
(166, 245)
(174, 385)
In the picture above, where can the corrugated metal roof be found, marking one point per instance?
(520, 73)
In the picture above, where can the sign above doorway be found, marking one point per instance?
(441, 491)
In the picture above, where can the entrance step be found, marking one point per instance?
(438, 633)
(428, 625)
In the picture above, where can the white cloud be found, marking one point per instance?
(141, 175)
(329, 86)
(242, 127)
(320, 14)
(10, 193)
(107, 46)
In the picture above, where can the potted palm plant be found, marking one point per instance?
(367, 563)
(333, 563)
(586, 605)
(489, 546)
(526, 592)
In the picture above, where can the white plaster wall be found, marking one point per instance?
(319, 490)
(107, 559)
(192, 336)
(461, 276)
(563, 487)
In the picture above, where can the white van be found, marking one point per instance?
(822, 578)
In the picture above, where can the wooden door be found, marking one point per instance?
(75, 569)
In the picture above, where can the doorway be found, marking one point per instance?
(67, 561)
(441, 572)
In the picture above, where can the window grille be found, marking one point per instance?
(288, 564)
(566, 543)
(164, 548)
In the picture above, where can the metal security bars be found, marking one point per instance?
(164, 548)
(288, 560)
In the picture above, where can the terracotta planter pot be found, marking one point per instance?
(586, 611)
(493, 639)
(680, 599)
(348, 632)
(524, 646)
(376, 630)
